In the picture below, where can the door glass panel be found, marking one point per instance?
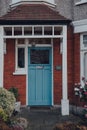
(39, 56)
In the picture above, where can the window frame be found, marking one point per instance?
(18, 70)
(83, 50)
(81, 2)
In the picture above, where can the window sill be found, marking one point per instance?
(81, 2)
(19, 72)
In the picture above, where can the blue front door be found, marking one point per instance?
(39, 76)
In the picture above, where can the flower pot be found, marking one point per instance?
(17, 106)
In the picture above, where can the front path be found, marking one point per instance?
(45, 119)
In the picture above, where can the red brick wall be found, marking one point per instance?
(58, 73)
(20, 81)
(9, 67)
(76, 58)
(77, 66)
(70, 63)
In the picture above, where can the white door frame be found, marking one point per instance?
(38, 45)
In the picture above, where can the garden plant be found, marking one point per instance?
(7, 105)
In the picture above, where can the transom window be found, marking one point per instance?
(33, 30)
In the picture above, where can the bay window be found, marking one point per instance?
(84, 56)
(48, 1)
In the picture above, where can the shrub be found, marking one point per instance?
(7, 101)
(14, 90)
(69, 126)
(3, 115)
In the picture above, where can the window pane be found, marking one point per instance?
(37, 30)
(27, 30)
(7, 31)
(39, 56)
(58, 30)
(47, 30)
(21, 58)
(17, 30)
(85, 40)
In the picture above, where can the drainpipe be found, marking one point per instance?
(64, 101)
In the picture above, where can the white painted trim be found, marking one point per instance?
(81, 2)
(1, 56)
(20, 72)
(5, 46)
(33, 35)
(52, 74)
(26, 42)
(80, 26)
(33, 25)
(16, 58)
(64, 101)
(32, 2)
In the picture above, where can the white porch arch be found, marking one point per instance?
(32, 34)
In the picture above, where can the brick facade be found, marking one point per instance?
(19, 81)
(9, 67)
(77, 66)
(77, 58)
(58, 73)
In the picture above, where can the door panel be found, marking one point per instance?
(39, 76)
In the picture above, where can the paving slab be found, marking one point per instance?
(45, 119)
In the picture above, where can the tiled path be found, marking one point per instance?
(45, 119)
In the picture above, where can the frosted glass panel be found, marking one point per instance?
(39, 56)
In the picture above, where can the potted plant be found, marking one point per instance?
(14, 90)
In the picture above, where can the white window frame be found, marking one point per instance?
(83, 50)
(81, 2)
(19, 71)
(48, 2)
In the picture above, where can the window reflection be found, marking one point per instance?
(39, 56)
(21, 58)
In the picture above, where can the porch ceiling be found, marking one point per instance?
(33, 14)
